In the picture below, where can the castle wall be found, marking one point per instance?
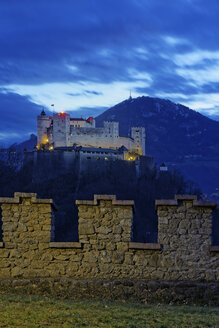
(125, 141)
(111, 128)
(98, 137)
(77, 123)
(50, 164)
(105, 249)
(100, 154)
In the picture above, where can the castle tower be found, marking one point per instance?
(43, 124)
(138, 134)
(90, 122)
(111, 128)
(61, 130)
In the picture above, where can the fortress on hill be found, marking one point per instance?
(62, 131)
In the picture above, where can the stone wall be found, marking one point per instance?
(99, 137)
(184, 231)
(105, 249)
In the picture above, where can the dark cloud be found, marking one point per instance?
(39, 40)
(168, 83)
(73, 94)
(210, 88)
(92, 92)
(85, 112)
(18, 117)
(85, 93)
(100, 41)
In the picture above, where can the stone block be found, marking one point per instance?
(33, 246)
(21, 227)
(62, 257)
(25, 263)
(154, 260)
(5, 272)
(104, 230)
(6, 213)
(72, 268)
(46, 227)
(9, 226)
(43, 245)
(102, 245)
(122, 247)
(163, 220)
(116, 237)
(89, 257)
(10, 244)
(48, 257)
(4, 263)
(126, 224)
(76, 258)
(4, 253)
(86, 229)
(44, 209)
(105, 256)
(37, 227)
(110, 246)
(128, 259)
(126, 237)
(182, 231)
(117, 229)
(140, 259)
(105, 269)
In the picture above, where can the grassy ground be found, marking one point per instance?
(34, 311)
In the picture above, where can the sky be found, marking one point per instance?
(85, 56)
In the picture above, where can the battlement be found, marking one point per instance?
(105, 249)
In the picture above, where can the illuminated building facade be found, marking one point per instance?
(63, 131)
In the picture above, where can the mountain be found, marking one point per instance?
(27, 145)
(13, 155)
(173, 131)
(177, 135)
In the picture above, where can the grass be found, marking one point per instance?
(36, 311)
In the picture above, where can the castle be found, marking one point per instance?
(63, 131)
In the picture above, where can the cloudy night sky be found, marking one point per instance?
(86, 56)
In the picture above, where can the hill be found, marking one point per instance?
(176, 135)
(27, 145)
(13, 155)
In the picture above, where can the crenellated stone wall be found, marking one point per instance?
(105, 249)
(184, 231)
